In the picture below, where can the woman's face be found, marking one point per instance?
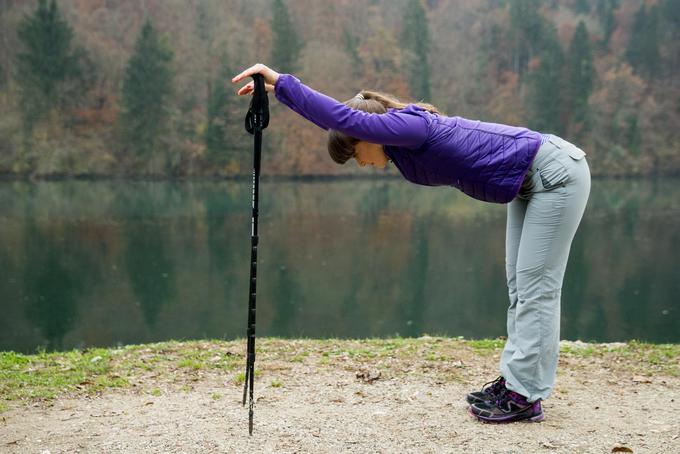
(372, 154)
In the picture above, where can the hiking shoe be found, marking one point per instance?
(508, 407)
(488, 393)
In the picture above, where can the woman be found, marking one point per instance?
(544, 180)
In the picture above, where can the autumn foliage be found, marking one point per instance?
(602, 74)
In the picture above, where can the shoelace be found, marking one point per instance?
(495, 384)
(503, 398)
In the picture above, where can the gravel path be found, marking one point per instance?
(307, 407)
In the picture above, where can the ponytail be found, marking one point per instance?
(391, 102)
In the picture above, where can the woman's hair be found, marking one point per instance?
(341, 146)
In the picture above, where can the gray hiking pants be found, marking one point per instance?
(542, 221)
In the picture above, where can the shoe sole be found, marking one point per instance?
(536, 418)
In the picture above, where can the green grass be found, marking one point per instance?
(46, 375)
(486, 344)
(43, 375)
(241, 376)
(190, 364)
(648, 353)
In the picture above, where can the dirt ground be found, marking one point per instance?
(305, 406)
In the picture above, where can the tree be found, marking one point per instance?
(287, 45)
(351, 44)
(605, 12)
(527, 27)
(544, 86)
(146, 92)
(582, 6)
(216, 138)
(617, 103)
(579, 83)
(643, 47)
(382, 57)
(670, 16)
(46, 63)
(415, 36)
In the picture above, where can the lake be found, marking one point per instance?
(117, 262)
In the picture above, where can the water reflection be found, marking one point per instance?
(101, 263)
(150, 269)
(50, 289)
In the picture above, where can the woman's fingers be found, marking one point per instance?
(249, 88)
(270, 76)
(248, 72)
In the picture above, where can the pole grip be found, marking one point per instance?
(257, 117)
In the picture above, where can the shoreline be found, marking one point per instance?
(7, 177)
(94, 370)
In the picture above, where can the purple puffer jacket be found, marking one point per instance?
(487, 161)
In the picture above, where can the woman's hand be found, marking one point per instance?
(270, 78)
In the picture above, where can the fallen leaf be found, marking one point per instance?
(368, 376)
(641, 379)
(621, 449)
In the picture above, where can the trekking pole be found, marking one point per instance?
(257, 119)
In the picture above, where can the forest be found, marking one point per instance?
(141, 88)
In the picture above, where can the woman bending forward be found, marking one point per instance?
(544, 180)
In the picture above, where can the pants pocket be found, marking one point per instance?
(553, 174)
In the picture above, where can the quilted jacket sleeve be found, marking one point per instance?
(406, 127)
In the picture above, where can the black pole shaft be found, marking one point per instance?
(256, 120)
(252, 303)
